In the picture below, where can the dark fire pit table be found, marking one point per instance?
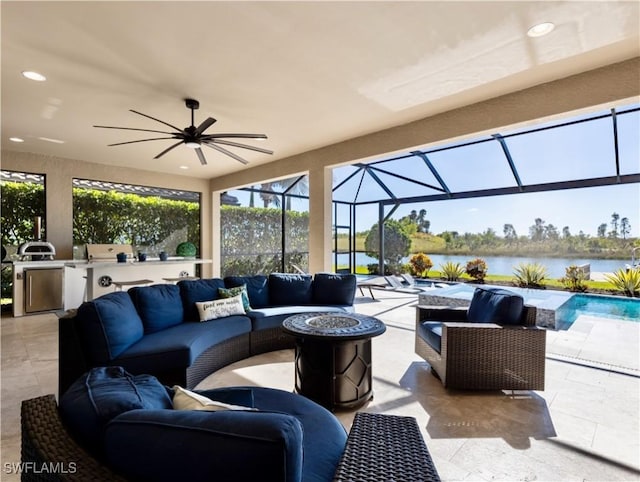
(333, 356)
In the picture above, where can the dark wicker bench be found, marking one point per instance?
(383, 448)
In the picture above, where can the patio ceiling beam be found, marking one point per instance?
(550, 186)
(507, 154)
(433, 170)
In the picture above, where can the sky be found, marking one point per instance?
(578, 150)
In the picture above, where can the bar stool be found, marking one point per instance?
(120, 284)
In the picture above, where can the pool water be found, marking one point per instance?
(625, 309)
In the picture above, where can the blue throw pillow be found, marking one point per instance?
(257, 288)
(495, 305)
(102, 394)
(159, 306)
(334, 289)
(197, 291)
(290, 289)
(110, 325)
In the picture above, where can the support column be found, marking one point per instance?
(320, 215)
(214, 215)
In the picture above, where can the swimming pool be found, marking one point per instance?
(556, 309)
(618, 308)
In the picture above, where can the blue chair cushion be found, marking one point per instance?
(177, 347)
(102, 394)
(242, 396)
(495, 305)
(290, 289)
(257, 288)
(110, 325)
(334, 289)
(431, 332)
(159, 306)
(192, 291)
(289, 439)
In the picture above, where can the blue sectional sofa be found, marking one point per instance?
(134, 429)
(156, 330)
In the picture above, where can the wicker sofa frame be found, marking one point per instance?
(484, 356)
(403, 456)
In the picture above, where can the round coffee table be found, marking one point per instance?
(333, 356)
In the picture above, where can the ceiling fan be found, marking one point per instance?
(194, 137)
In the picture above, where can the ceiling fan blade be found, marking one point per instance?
(133, 129)
(243, 146)
(141, 140)
(208, 122)
(240, 136)
(168, 149)
(225, 151)
(203, 161)
(157, 120)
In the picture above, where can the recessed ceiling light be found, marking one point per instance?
(48, 139)
(184, 167)
(540, 29)
(16, 139)
(38, 77)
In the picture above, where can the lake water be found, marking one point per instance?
(504, 265)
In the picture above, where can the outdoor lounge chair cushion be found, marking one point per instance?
(104, 393)
(288, 438)
(334, 289)
(431, 332)
(265, 318)
(111, 325)
(193, 291)
(495, 305)
(287, 289)
(257, 288)
(159, 306)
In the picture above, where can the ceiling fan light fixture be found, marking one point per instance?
(193, 144)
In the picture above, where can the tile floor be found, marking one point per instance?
(583, 426)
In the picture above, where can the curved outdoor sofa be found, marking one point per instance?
(156, 330)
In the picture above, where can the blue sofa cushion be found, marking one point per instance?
(334, 289)
(104, 393)
(257, 288)
(290, 289)
(159, 306)
(192, 291)
(289, 438)
(110, 325)
(177, 347)
(265, 318)
(431, 332)
(495, 305)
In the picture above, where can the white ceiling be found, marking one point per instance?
(307, 74)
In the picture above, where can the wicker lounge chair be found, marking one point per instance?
(482, 355)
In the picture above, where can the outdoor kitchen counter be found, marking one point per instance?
(86, 280)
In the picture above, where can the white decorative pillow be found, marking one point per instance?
(210, 310)
(188, 400)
